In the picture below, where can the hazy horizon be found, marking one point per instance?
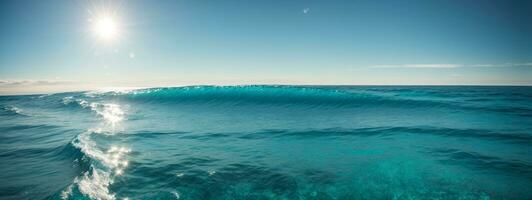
(44, 90)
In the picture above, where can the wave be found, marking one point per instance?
(263, 94)
(12, 110)
(479, 161)
(290, 96)
(382, 131)
(54, 153)
(71, 100)
(103, 165)
(106, 162)
(14, 134)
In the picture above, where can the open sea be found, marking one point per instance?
(269, 142)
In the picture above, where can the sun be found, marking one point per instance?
(105, 27)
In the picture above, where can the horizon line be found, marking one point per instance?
(123, 88)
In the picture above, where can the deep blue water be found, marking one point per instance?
(269, 142)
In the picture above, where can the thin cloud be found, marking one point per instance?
(32, 82)
(306, 10)
(451, 65)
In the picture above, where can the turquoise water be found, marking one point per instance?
(269, 142)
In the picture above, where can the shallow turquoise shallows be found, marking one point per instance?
(269, 142)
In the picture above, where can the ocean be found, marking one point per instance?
(269, 142)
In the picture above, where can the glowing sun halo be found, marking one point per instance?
(105, 27)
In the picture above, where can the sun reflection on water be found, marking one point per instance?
(108, 162)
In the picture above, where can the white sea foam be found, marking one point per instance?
(80, 102)
(112, 91)
(67, 192)
(96, 185)
(45, 95)
(111, 113)
(108, 162)
(68, 100)
(114, 158)
(14, 109)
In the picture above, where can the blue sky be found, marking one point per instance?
(52, 45)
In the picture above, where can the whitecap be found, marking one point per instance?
(107, 162)
(96, 185)
(113, 158)
(80, 102)
(68, 100)
(67, 192)
(13, 109)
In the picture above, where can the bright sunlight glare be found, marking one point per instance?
(105, 27)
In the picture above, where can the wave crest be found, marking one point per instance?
(105, 162)
(263, 94)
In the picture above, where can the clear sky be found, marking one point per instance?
(50, 46)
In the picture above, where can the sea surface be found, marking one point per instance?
(269, 142)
